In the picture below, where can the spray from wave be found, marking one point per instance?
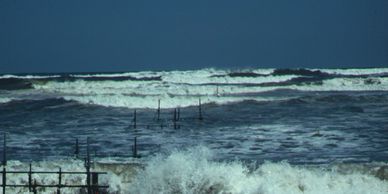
(193, 171)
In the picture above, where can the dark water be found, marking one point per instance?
(315, 127)
(330, 124)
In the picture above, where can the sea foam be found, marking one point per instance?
(137, 94)
(183, 88)
(194, 171)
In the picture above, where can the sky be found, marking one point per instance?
(134, 35)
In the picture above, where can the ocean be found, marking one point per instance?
(216, 131)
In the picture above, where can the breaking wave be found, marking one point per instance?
(183, 88)
(360, 71)
(5, 100)
(151, 102)
(194, 171)
(145, 95)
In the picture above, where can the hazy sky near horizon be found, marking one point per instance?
(130, 35)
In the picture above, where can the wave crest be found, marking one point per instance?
(193, 171)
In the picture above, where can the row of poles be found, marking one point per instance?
(32, 186)
(91, 177)
(175, 119)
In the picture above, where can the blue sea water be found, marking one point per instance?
(301, 116)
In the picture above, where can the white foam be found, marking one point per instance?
(143, 88)
(193, 171)
(183, 88)
(206, 76)
(124, 74)
(152, 101)
(5, 99)
(28, 76)
(346, 84)
(366, 71)
(47, 179)
(135, 94)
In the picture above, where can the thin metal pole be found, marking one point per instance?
(59, 181)
(134, 149)
(30, 178)
(34, 187)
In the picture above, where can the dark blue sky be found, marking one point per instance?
(128, 35)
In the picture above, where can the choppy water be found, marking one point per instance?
(305, 117)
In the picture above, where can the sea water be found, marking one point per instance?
(263, 130)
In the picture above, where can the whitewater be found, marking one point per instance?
(263, 130)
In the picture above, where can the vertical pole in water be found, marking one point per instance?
(95, 183)
(30, 178)
(158, 110)
(88, 166)
(200, 110)
(59, 181)
(134, 148)
(76, 151)
(34, 187)
(4, 162)
(134, 119)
